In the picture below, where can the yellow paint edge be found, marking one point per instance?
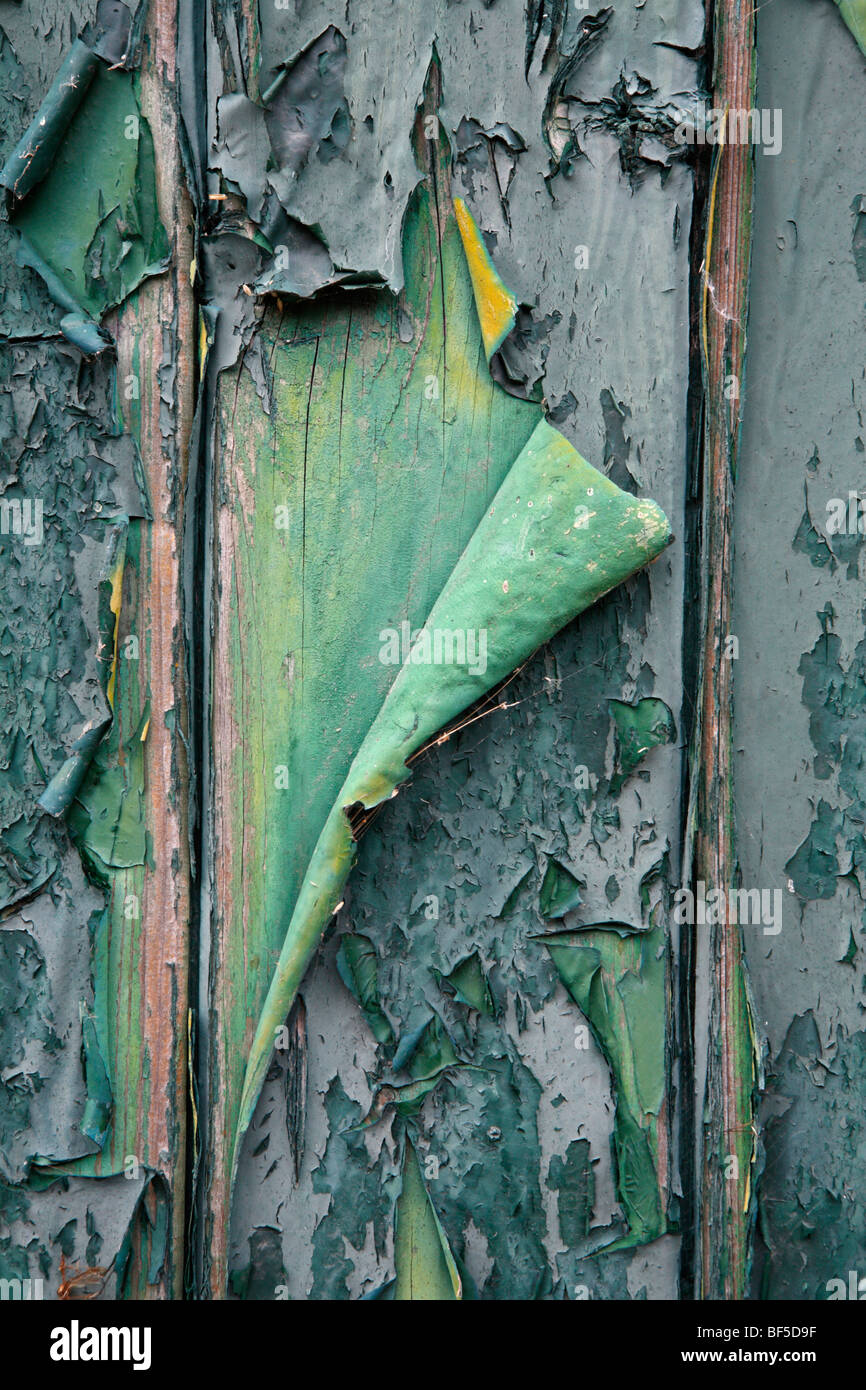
(495, 303)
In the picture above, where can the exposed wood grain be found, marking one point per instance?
(156, 347)
(728, 1129)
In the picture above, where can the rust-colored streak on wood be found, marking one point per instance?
(724, 1221)
(156, 330)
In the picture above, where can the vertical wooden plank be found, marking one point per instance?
(728, 1141)
(108, 915)
(620, 394)
(147, 956)
(800, 563)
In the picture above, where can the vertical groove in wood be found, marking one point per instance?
(724, 1195)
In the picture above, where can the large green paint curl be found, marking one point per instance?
(556, 538)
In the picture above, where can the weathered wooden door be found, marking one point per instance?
(464, 401)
